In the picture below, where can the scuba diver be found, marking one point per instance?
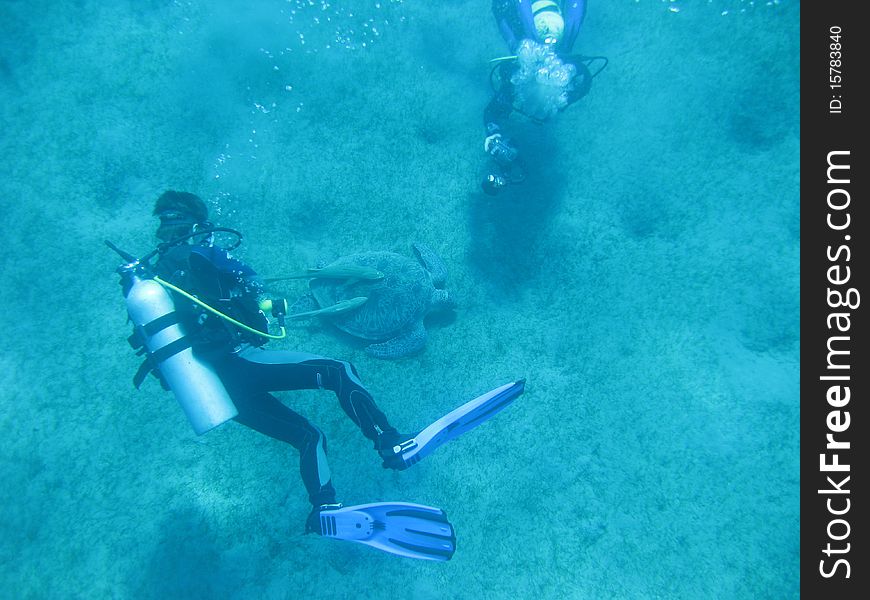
(200, 319)
(540, 79)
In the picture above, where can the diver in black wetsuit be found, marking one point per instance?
(197, 316)
(248, 371)
(531, 28)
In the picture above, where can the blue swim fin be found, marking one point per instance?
(452, 425)
(403, 528)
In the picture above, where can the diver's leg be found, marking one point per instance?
(266, 414)
(278, 370)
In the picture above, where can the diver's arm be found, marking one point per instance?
(229, 286)
(507, 33)
(573, 13)
(501, 10)
(246, 301)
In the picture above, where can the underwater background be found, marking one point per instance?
(644, 279)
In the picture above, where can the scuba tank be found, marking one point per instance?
(196, 386)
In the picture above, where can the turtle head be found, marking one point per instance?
(442, 300)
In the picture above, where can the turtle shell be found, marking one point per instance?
(400, 298)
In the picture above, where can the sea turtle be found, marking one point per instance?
(378, 296)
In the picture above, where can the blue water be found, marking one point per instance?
(644, 280)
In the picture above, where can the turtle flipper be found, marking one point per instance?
(432, 263)
(409, 341)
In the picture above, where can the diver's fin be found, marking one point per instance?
(403, 528)
(336, 309)
(450, 426)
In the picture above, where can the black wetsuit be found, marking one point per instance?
(249, 372)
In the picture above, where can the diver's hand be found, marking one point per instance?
(490, 142)
(500, 149)
(277, 307)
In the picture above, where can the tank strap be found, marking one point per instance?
(145, 368)
(142, 372)
(151, 364)
(160, 323)
(136, 342)
(170, 349)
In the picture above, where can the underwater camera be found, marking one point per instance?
(492, 184)
(500, 149)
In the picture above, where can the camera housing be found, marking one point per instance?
(493, 183)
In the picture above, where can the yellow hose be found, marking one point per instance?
(216, 312)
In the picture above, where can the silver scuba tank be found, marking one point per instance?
(196, 386)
